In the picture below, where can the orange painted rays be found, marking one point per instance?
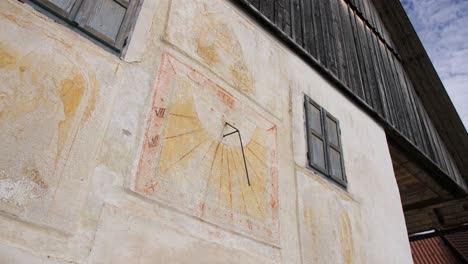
(188, 164)
(193, 159)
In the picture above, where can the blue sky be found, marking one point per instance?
(442, 26)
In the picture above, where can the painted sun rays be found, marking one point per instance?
(185, 140)
(192, 161)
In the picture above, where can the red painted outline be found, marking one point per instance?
(144, 178)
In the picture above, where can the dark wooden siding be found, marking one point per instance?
(349, 39)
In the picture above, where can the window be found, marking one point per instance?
(108, 21)
(324, 151)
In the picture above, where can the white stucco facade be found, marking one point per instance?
(85, 179)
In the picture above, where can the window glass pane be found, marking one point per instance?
(317, 152)
(106, 19)
(336, 168)
(332, 132)
(314, 120)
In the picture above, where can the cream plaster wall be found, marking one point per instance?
(72, 127)
(370, 210)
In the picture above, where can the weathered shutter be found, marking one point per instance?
(334, 149)
(315, 136)
(107, 20)
(64, 8)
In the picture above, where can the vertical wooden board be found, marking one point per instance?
(440, 150)
(368, 58)
(313, 21)
(324, 35)
(381, 50)
(380, 27)
(359, 56)
(445, 155)
(377, 89)
(391, 88)
(363, 61)
(332, 45)
(287, 25)
(408, 104)
(348, 41)
(281, 14)
(297, 22)
(356, 52)
(381, 53)
(359, 7)
(375, 18)
(394, 93)
(366, 11)
(278, 13)
(406, 127)
(433, 136)
(255, 3)
(427, 133)
(327, 48)
(372, 14)
(422, 145)
(340, 43)
(287, 19)
(453, 169)
(319, 40)
(380, 74)
(309, 31)
(267, 8)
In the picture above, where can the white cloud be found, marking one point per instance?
(442, 26)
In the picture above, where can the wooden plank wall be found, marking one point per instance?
(348, 38)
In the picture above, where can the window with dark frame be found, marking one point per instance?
(108, 21)
(324, 149)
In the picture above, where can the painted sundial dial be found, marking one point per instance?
(207, 153)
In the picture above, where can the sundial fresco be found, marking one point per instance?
(207, 153)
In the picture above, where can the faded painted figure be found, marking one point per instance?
(41, 92)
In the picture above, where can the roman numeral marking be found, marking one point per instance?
(160, 112)
(154, 141)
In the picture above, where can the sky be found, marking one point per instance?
(442, 26)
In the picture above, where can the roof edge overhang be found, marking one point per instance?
(392, 132)
(426, 80)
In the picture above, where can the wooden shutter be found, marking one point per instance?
(107, 20)
(315, 136)
(64, 8)
(334, 149)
